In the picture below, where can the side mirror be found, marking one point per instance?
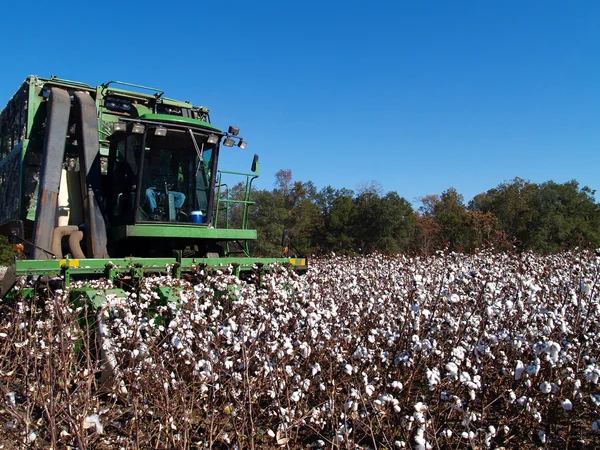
(254, 163)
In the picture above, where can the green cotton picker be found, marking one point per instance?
(118, 182)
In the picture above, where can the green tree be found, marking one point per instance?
(7, 253)
(386, 224)
(268, 216)
(515, 204)
(337, 211)
(568, 217)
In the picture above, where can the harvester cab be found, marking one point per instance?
(118, 178)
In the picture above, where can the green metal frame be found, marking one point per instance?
(82, 269)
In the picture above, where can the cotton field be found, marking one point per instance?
(447, 351)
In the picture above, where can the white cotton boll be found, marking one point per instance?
(534, 367)
(459, 353)
(454, 298)
(433, 377)
(446, 434)
(93, 420)
(519, 370)
(512, 396)
(399, 444)
(295, 397)
(567, 405)
(304, 350)
(369, 389)
(542, 436)
(595, 399)
(586, 285)
(420, 407)
(419, 417)
(420, 441)
(545, 387)
(348, 369)
(592, 373)
(465, 377)
(397, 385)
(176, 342)
(452, 369)
(596, 425)
(315, 369)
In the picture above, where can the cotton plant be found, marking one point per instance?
(404, 342)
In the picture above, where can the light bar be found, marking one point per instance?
(228, 142)
(242, 144)
(212, 139)
(234, 130)
(160, 131)
(138, 128)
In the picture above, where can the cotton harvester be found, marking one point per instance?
(81, 195)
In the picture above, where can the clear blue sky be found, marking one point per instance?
(419, 96)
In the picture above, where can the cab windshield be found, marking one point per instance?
(161, 178)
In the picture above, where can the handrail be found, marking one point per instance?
(139, 86)
(224, 201)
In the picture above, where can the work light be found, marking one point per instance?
(138, 128)
(119, 126)
(228, 142)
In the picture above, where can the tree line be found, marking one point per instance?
(516, 215)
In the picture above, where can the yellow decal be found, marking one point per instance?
(299, 262)
(72, 262)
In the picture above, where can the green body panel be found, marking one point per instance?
(169, 293)
(97, 297)
(177, 119)
(180, 231)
